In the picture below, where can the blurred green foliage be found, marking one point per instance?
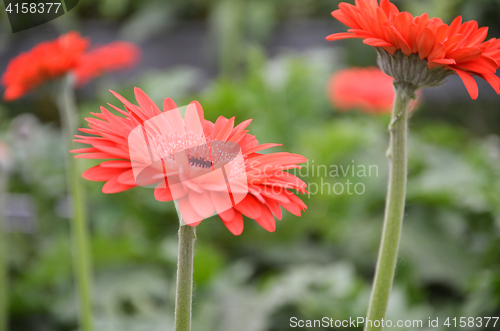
(317, 265)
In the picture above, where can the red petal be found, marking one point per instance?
(189, 215)
(455, 25)
(112, 186)
(469, 83)
(425, 43)
(274, 207)
(437, 52)
(169, 104)
(228, 215)
(375, 42)
(442, 33)
(199, 109)
(147, 105)
(163, 193)
(233, 221)
(221, 201)
(280, 197)
(344, 18)
(116, 164)
(260, 147)
(342, 35)
(222, 128)
(84, 150)
(412, 37)
(100, 174)
(403, 45)
(249, 206)
(124, 101)
(440, 62)
(201, 203)
(493, 80)
(266, 220)
(127, 178)
(387, 7)
(95, 156)
(444, 61)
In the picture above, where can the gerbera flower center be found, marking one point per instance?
(199, 162)
(201, 153)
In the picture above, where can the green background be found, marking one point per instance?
(265, 60)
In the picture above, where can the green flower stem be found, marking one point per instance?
(184, 288)
(4, 286)
(80, 234)
(394, 209)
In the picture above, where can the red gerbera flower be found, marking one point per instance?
(110, 57)
(48, 60)
(458, 47)
(183, 148)
(53, 59)
(368, 89)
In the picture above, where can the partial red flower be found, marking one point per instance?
(53, 59)
(47, 60)
(180, 146)
(459, 46)
(110, 57)
(367, 89)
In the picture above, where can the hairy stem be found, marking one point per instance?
(394, 210)
(80, 233)
(184, 288)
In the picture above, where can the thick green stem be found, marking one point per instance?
(394, 210)
(184, 288)
(80, 233)
(4, 280)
